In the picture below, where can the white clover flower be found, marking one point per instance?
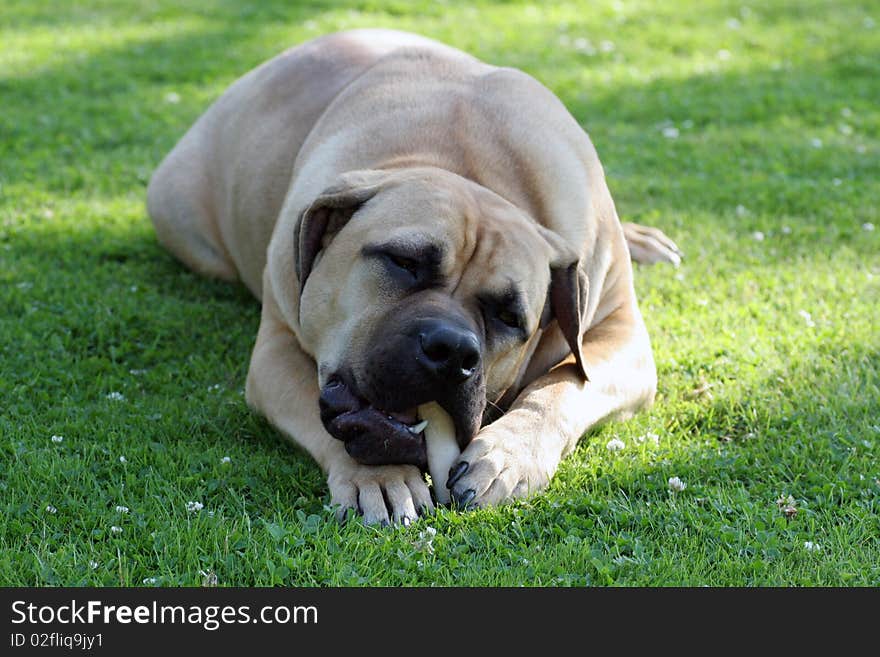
(51, 509)
(57, 439)
(121, 509)
(607, 46)
(785, 230)
(172, 97)
(116, 396)
(425, 542)
(122, 459)
(868, 227)
(812, 547)
(758, 236)
(807, 318)
(584, 46)
(741, 210)
(194, 507)
(615, 445)
(653, 437)
(209, 578)
(733, 24)
(676, 485)
(724, 55)
(784, 500)
(225, 460)
(115, 529)
(815, 142)
(788, 505)
(671, 132)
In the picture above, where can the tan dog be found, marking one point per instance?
(420, 227)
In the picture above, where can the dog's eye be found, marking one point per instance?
(407, 264)
(509, 318)
(502, 317)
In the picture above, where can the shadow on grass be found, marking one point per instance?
(100, 122)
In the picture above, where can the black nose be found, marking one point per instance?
(449, 352)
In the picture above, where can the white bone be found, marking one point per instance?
(442, 447)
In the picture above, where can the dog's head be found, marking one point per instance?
(417, 285)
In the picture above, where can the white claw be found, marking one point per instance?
(418, 428)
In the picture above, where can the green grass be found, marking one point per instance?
(778, 132)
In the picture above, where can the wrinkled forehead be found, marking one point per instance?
(418, 212)
(477, 241)
(510, 260)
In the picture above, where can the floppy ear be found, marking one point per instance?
(327, 215)
(568, 301)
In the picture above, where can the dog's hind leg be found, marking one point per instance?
(180, 206)
(649, 245)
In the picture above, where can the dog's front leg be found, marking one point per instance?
(518, 454)
(282, 384)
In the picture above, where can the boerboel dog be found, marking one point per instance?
(420, 227)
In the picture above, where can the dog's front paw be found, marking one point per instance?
(497, 466)
(380, 493)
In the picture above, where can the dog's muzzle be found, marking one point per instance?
(372, 436)
(431, 360)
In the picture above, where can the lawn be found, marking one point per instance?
(749, 133)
